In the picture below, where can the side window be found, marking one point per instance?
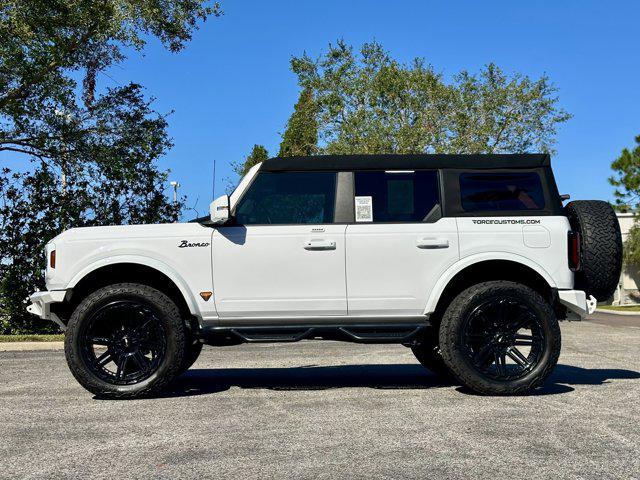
(501, 191)
(288, 198)
(402, 196)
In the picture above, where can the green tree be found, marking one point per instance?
(626, 183)
(626, 178)
(258, 154)
(371, 103)
(46, 45)
(86, 155)
(301, 134)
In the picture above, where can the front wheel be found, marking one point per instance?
(427, 352)
(125, 341)
(500, 338)
(192, 352)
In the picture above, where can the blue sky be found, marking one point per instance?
(232, 87)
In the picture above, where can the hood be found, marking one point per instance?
(121, 232)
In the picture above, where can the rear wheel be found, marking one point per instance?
(125, 341)
(500, 338)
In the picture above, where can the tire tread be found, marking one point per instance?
(449, 332)
(601, 247)
(100, 388)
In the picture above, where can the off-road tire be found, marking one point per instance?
(600, 247)
(451, 338)
(427, 352)
(192, 352)
(172, 325)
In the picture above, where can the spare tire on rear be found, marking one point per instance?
(600, 247)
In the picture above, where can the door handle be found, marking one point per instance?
(430, 242)
(319, 244)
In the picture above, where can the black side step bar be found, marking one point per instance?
(395, 333)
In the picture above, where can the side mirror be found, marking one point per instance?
(219, 210)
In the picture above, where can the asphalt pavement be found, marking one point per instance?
(331, 410)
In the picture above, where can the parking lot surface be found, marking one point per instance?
(330, 410)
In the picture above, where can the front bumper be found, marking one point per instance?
(41, 305)
(577, 302)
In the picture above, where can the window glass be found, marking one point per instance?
(288, 198)
(396, 196)
(501, 191)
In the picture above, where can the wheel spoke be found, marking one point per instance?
(103, 359)
(141, 361)
(501, 363)
(144, 328)
(524, 340)
(518, 323)
(122, 367)
(134, 338)
(524, 337)
(517, 356)
(506, 332)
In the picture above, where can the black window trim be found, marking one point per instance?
(448, 196)
(344, 211)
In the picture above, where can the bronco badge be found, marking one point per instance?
(186, 244)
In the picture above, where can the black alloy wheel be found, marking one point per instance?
(123, 342)
(503, 338)
(500, 338)
(126, 340)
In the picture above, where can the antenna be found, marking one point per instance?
(213, 186)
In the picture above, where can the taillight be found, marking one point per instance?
(574, 250)
(52, 259)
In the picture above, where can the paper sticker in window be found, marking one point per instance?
(364, 209)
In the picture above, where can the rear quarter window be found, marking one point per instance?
(501, 191)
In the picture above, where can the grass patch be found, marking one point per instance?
(32, 338)
(620, 308)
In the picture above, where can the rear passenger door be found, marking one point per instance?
(399, 245)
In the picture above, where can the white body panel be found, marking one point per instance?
(269, 272)
(392, 267)
(542, 245)
(539, 243)
(80, 251)
(279, 270)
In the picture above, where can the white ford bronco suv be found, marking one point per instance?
(469, 260)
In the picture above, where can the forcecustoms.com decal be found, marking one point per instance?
(520, 221)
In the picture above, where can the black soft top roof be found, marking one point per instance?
(405, 162)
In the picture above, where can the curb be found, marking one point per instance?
(30, 346)
(617, 312)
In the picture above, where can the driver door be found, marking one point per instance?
(283, 256)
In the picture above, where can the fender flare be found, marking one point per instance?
(465, 262)
(162, 267)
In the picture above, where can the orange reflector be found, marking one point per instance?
(52, 259)
(206, 295)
